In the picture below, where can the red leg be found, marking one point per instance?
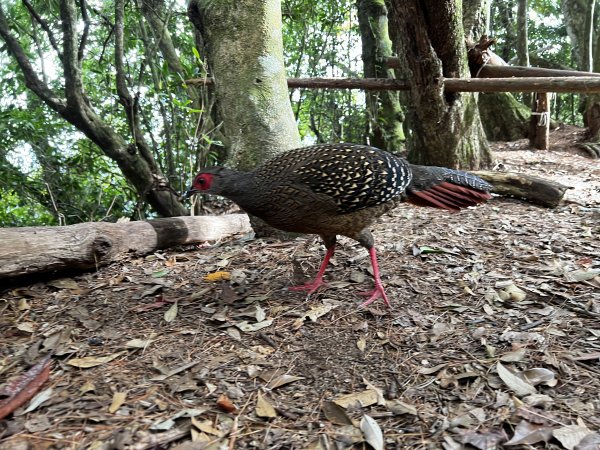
(378, 292)
(318, 281)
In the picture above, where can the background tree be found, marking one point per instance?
(245, 56)
(503, 117)
(385, 115)
(103, 60)
(445, 128)
(321, 38)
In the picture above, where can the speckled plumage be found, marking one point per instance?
(339, 189)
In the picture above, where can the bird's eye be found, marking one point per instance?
(201, 181)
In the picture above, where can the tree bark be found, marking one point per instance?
(503, 117)
(522, 36)
(445, 127)
(245, 54)
(28, 251)
(385, 114)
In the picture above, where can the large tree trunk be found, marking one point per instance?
(576, 14)
(445, 128)
(35, 250)
(244, 47)
(579, 22)
(134, 159)
(384, 110)
(503, 117)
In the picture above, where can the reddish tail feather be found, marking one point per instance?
(447, 196)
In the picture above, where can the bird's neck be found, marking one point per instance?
(241, 188)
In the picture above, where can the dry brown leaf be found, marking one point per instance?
(539, 375)
(247, 327)
(92, 361)
(484, 440)
(26, 327)
(590, 442)
(336, 414)
(225, 404)
(514, 356)
(519, 386)
(361, 344)
(399, 407)
(140, 343)
(282, 380)
(571, 435)
(528, 433)
(313, 314)
(171, 313)
(206, 426)
(362, 399)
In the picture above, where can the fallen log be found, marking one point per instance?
(530, 188)
(37, 250)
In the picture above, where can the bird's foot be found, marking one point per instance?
(373, 295)
(310, 287)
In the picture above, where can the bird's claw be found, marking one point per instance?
(310, 287)
(376, 293)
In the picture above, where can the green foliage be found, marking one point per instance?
(549, 46)
(321, 39)
(50, 173)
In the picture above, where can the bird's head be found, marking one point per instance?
(212, 180)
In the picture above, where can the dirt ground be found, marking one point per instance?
(492, 340)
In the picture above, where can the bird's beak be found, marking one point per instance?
(191, 192)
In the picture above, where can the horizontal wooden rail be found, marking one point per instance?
(572, 84)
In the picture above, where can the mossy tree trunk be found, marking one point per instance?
(445, 128)
(244, 48)
(503, 117)
(384, 109)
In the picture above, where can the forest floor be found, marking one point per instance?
(493, 337)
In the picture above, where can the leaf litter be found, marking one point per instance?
(492, 341)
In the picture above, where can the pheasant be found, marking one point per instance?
(339, 189)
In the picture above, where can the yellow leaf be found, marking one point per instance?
(23, 305)
(206, 426)
(171, 313)
(87, 387)
(361, 344)
(264, 408)
(117, 401)
(218, 276)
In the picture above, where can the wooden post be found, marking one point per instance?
(540, 121)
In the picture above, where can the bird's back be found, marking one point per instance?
(354, 177)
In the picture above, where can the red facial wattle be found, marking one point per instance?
(203, 182)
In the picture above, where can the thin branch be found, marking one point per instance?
(73, 82)
(32, 81)
(44, 25)
(130, 104)
(86, 29)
